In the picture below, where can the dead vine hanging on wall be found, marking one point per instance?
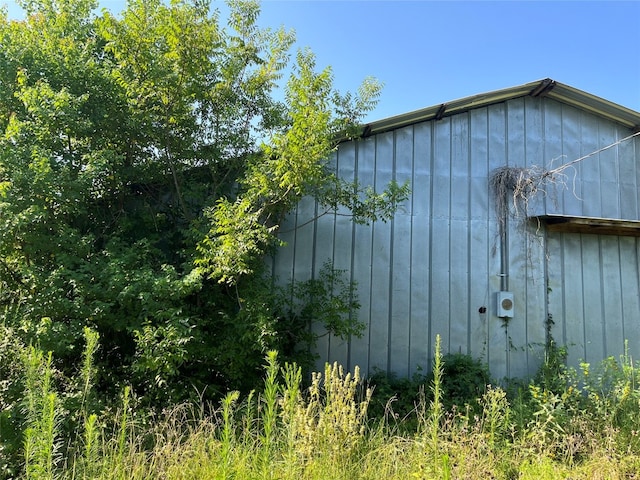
(514, 187)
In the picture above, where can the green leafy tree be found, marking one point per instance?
(146, 165)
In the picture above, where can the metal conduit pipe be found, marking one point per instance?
(504, 274)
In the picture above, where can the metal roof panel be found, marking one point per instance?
(546, 87)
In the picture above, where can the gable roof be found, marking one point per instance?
(541, 88)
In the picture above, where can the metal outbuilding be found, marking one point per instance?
(462, 260)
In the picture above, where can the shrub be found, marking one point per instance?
(464, 382)
(11, 387)
(395, 397)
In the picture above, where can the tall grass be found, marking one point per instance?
(588, 429)
(40, 443)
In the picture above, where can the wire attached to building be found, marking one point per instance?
(573, 162)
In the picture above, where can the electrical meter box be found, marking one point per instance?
(504, 304)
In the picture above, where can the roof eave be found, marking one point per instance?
(546, 87)
(597, 105)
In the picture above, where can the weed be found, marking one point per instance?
(40, 443)
(462, 383)
(585, 430)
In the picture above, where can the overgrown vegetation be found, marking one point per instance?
(146, 164)
(326, 430)
(464, 381)
(145, 169)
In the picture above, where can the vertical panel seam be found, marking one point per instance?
(563, 267)
(489, 316)
(622, 296)
(580, 166)
(469, 228)
(356, 148)
(411, 266)
(527, 241)
(450, 217)
(584, 307)
(391, 257)
(563, 270)
(602, 297)
(330, 337)
(314, 250)
(371, 269)
(618, 163)
(598, 158)
(505, 247)
(430, 246)
(637, 267)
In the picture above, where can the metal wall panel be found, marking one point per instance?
(321, 251)
(628, 178)
(572, 194)
(362, 267)
(553, 155)
(440, 235)
(534, 132)
(436, 267)
(497, 336)
(342, 245)
(419, 347)
(381, 257)
(612, 292)
(480, 237)
(459, 312)
(304, 235)
(584, 179)
(601, 185)
(629, 278)
(594, 290)
(400, 320)
(610, 198)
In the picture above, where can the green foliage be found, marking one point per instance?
(268, 318)
(395, 397)
(587, 431)
(613, 392)
(329, 301)
(462, 383)
(42, 412)
(11, 388)
(40, 400)
(146, 164)
(436, 411)
(294, 165)
(562, 406)
(465, 380)
(323, 431)
(496, 415)
(553, 374)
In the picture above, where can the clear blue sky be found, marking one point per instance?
(430, 52)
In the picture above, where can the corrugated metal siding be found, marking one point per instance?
(431, 269)
(594, 280)
(594, 294)
(604, 185)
